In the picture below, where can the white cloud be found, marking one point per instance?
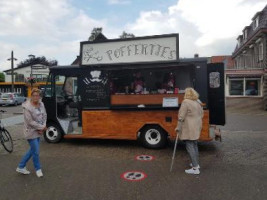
(202, 25)
(115, 2)
(55, 28)
(217, 19)
(49, 28)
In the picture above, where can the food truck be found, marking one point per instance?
(130, 89)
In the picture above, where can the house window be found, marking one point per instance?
(40, 77)
(256, 23)
(244, 87)
(18, 90)
(245, 36)
(236, 87)
(239, 42)
(260, 52)
(252, 87)
(19, 78)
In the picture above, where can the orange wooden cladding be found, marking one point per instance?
(115, 124)
(151, 99)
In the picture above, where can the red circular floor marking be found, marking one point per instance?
(144, 158)
(133, 176)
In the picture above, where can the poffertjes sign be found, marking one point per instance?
(135, 50)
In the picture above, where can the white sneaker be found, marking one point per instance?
(39, 173)
(192, 171)
(23, 171)
(191, 165)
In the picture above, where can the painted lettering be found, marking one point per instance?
(172, 55)
(144, 49)
(129, 50)
(152, 49)
(158, 51)
(122, 50)
(136, 49)
(117, 53)
(164, 51)
(109, 52)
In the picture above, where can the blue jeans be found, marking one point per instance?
(33, 152)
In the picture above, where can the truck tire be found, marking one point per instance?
(53, 134)
(153, 137)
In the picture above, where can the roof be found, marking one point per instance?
(100, 37)
(226, 59)
(251, 33)
(76, 61)
(15, 68)
(244, 73)
(180, 63)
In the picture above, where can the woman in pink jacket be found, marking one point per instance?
(34, 125)
(189, 127)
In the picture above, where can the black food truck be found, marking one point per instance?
(130, 89)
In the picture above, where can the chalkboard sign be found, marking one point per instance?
(94, 89)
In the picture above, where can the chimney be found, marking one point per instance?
(196, 55)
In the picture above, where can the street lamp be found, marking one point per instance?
(12, 70)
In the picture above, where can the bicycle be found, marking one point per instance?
(5, 137)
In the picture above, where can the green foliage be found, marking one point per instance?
(37, 60)
(95, 33)
(2, 77)
(126, 35)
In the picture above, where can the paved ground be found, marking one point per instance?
(11, 111)
(91, 169)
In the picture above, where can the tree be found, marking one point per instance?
(95, 33)
(2, 77)
(126, 35)
(37, 60)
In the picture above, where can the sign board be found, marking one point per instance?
(170, 102)
(39, 67)
(10, 73)
(135, 50)
(94, 89)
(133, 176)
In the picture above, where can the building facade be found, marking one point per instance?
(22, 75)
(246, 82)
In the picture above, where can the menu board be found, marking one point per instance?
(94, 89)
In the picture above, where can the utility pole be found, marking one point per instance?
(12, 70)
(31, 57)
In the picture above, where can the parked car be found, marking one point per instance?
(12, 99)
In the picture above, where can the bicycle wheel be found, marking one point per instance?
(7, 141)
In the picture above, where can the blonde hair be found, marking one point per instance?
(191, 94)
(35, 90)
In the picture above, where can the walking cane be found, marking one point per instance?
(174, 150)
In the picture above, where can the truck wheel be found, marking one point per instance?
(53, 133)
(153, 137)
(16, 103)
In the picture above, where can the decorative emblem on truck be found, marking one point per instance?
(95, 77)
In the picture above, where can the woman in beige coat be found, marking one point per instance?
(34, 125)
(189, 127)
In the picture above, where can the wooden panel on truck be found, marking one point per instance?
(147, 99)
(115, 124)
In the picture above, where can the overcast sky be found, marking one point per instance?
(54, 28)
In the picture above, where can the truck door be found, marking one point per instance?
(216, 93)
(49, 99)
